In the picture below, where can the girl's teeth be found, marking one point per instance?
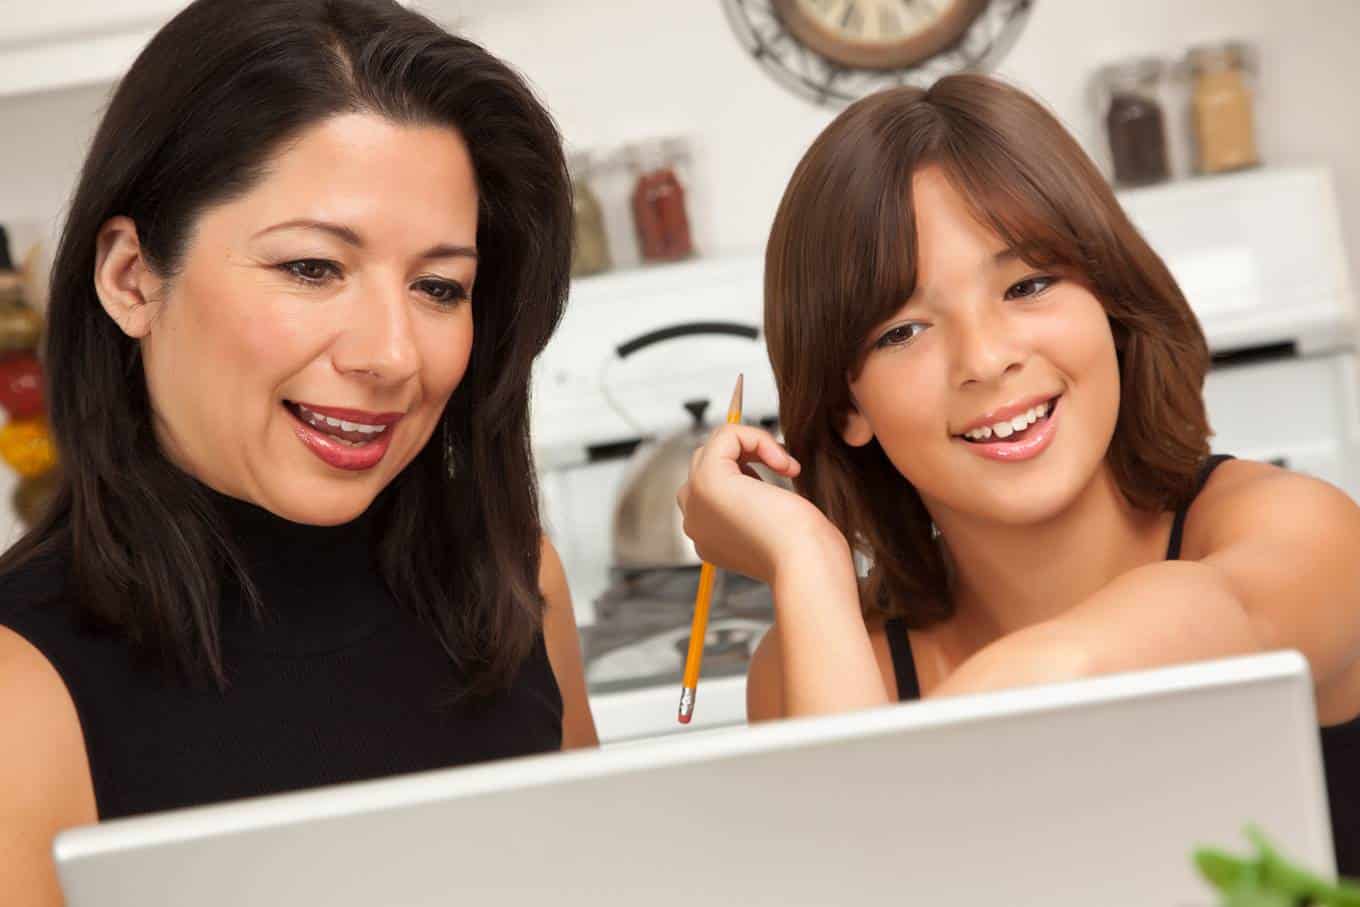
(1011, 426)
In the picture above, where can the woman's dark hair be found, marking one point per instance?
(217, 92)
(842, 259)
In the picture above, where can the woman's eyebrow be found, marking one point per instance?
(351, 237)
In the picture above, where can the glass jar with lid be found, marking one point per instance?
(1129, 99)
(1222, 88)
(590, 246)
(658, 200)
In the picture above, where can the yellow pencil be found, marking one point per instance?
(699, 629)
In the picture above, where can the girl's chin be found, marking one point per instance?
(1012, 507)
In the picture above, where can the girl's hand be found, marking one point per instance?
(739, 522)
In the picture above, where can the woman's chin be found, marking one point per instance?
(319, 501)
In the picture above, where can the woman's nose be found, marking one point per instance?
(379, 339)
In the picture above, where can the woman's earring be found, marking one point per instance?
(934, 531)
(448, 450)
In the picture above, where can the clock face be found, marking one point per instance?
(836, 51)
(886, 34)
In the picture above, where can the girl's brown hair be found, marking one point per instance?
(842, 259)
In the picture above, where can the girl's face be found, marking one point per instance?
(338, 290)
(1022, 358)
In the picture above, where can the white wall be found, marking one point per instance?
(632, 68)
(616, 70)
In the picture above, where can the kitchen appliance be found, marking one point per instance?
(1258, 254)
(648, 531)
(1030, 796)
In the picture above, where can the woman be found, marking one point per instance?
(990, 386)
(314, 250)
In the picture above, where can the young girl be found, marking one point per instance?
(990, 387)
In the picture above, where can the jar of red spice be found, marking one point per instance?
(658, 201)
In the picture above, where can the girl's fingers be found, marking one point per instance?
(741, 444)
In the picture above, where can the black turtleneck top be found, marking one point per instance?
(337, 683)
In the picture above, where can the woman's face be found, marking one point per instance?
(983, 341)
(338, 290)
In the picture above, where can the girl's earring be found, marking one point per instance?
(934, 531)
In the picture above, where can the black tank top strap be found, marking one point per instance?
(904, 666)
(1173, 547)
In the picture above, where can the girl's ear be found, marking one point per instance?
(855, 429)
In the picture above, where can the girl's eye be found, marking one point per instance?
(1030, 286)
(903, 333)
(311, 270)
(444, 292)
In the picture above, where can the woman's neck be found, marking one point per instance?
(1006, 578)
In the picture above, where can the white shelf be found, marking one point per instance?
(67, 43)
(76, 42)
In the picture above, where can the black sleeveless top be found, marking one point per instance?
(338, 684)
(1340, 743)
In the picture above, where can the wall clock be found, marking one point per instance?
(835, 51)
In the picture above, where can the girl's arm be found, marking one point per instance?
(1281, 570)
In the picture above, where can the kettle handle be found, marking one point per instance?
(651, 338)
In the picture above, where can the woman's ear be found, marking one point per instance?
(128, 287)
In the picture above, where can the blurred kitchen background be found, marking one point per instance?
(1227, 125)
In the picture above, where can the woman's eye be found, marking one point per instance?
(900, 334)
(311, 270)
(1030, 286)
(444, 292)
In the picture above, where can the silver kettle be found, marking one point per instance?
(648, 529)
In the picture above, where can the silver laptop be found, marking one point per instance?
(1084, 793)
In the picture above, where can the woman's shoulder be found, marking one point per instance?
(44, 771)
(33, 590)
(37, 581)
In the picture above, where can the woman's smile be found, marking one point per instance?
(344, 438)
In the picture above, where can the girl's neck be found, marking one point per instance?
(1006, 578)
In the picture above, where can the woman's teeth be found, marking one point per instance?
(1011, 426)
(352, 432)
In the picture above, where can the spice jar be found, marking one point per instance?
(1131, 108)
(658, 202)
(11, 281)
(1221, 107)
(20, 325)
(590, 246)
